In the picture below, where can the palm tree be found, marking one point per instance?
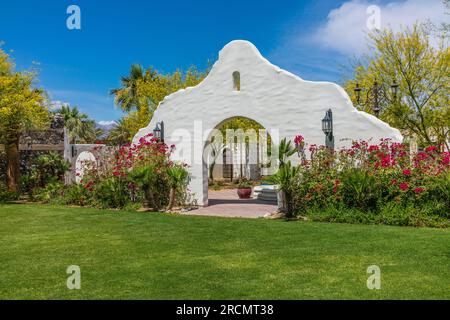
(120, 134)
(128, 97)
(285, 176)
(177, 178)
(80, 127)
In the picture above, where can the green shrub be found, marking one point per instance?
(359, 189)
(400, 215)
(6, 195)
(49, 168)
(390, 214)
(77, 194)
(52, 193)
(379, 183)
(112, 192)
(341, 215)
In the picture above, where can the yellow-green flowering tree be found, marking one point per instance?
(422, 71)
(21, 108)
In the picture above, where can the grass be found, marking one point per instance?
(129, 255)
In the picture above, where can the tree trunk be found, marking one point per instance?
(171, 199)
(150, 200)
(13, 166)
(288, 203)
(211, 170)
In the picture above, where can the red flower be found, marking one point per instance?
(298, 139)
(337, 182)
(446, 158)
(385, 161)
(404, 186)
(406, 172)
(419, 190)
(431, 149)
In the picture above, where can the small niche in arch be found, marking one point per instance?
(236, 81)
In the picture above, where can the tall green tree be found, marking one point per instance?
(142, 90)
(422, 71)
(128, 96)
(81, 128)
(119, 135)
(22, 108)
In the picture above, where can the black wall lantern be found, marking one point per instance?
(74, 151)
(327, 128)
(158, 132)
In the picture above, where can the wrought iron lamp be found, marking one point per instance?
(376, 95)
(327, 128)
(74, 151)
(158, 132)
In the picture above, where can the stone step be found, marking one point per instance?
(268, 195)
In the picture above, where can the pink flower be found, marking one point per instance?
(419, 190)
(298, 140)
(446, 158)
(431, 149)
(406, 172)
(385, 161)
(337, 182)
(404, 186)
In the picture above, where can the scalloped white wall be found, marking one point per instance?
(269, 95)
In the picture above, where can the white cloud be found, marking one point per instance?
(346, 27)
(56, 105)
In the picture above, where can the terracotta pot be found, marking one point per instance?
(244, 193)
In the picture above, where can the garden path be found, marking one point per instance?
(226, 203)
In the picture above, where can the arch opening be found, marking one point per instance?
(238, 148)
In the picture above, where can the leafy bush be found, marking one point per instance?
(380, 183)
(6, 195)
(141, 172)
(359, 189)
(51, 193)
(244, 184)
(47, 170)
(78, 194)
(112, 192)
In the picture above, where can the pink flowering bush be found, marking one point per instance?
(135, 174)
(375, 179)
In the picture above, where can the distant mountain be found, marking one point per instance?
(106, 126)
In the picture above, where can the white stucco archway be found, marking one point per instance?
(280, 101)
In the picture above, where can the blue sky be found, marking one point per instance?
(81, 66)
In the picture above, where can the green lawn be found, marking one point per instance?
(131, 255)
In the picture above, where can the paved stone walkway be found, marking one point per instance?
(226, 203)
